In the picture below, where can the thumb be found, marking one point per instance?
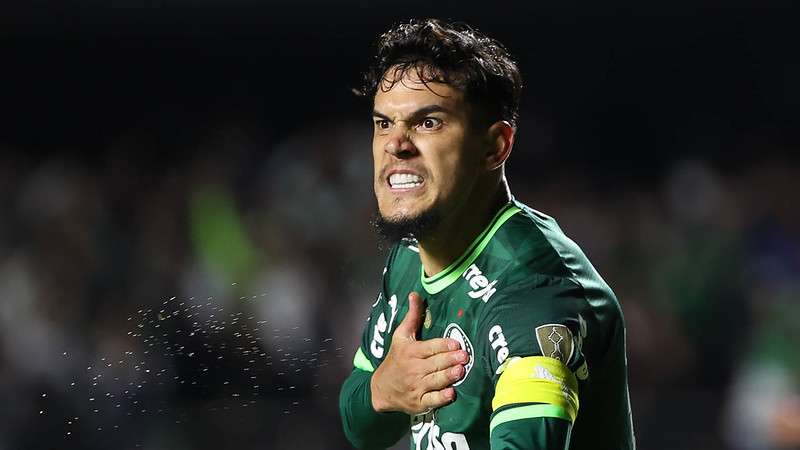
(413, 320)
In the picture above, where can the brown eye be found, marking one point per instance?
(430, 123)
(382, 124)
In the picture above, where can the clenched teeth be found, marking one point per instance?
(404, 180)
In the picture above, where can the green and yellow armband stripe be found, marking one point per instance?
(535, 379)
(360, 361)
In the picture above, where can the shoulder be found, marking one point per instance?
(546, 317)
(541, 300)
(540, 259)
(548, 293)
(538, 244)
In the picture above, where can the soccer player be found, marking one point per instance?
(492, 329)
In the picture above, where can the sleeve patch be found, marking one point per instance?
(360, 361)
(538, 379)
(555, 341)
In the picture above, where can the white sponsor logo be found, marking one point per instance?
(454, 331)
(427, 435)
(544, 374)
(378, 300)
(481, 287)
(377, 346)
(499, 344)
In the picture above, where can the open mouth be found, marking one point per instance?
(404, 181)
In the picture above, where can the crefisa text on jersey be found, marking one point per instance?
(480, 284)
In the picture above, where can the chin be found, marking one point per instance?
(401, 223)
(401, 208)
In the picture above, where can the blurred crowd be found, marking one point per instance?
(704, 257)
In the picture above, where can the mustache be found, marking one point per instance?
(417, 170)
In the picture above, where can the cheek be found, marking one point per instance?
(456, 164)
(377, 156)
(459, 173)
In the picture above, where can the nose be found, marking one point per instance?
(399, 144)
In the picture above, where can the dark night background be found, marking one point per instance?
(215, 149)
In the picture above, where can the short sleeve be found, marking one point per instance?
(546, 319)
(532, 347)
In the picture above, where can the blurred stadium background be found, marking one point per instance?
(158, 158)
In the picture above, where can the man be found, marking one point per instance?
(492, 329)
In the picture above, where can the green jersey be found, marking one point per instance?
(545, 337)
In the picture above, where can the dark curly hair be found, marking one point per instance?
(450, 53)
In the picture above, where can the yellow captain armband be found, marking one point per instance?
(360, 361)
(535, 379)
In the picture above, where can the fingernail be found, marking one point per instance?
(451, 395)
(453, 344)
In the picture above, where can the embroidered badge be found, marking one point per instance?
(555, 341)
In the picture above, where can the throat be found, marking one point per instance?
(452, 238)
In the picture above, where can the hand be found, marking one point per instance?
(416, 376)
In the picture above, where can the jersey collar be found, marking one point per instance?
(439, 282)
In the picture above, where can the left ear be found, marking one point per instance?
(501, 140)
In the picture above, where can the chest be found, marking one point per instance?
(464, 423)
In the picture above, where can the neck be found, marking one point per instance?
(457, 231)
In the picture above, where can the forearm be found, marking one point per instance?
(365, 428)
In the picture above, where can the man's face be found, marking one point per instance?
(427, 157)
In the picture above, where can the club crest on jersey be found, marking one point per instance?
(454, 331)
(481, 287)
(555, 341)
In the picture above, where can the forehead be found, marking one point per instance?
(405, 95)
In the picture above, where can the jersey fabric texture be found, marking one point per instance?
(545, 337)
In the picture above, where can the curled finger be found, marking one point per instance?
(430, 347)
(442, 378)
(437, 399)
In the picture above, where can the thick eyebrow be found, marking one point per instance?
(421, 112)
